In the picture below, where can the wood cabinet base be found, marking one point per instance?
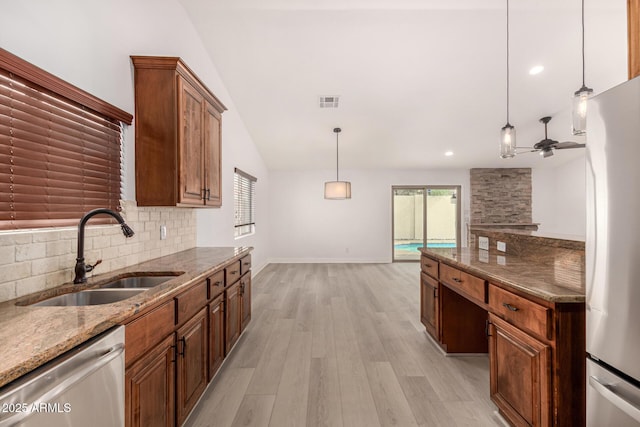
(520, 369)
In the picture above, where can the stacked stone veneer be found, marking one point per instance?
(33, 260)
(501, 196)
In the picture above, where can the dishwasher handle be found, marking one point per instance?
(629, 408)
(65, 384)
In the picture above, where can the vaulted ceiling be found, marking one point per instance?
(416, 78)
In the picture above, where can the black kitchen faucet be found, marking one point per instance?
(81, 268)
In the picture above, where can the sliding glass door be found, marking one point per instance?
(424, 216)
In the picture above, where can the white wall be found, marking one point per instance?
(559, 198)
(88, 44)
(304, 227)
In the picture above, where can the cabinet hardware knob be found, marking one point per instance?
(510, 307)
(455, 279)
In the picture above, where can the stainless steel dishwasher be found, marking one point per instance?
(83, 387)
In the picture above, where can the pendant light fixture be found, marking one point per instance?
(580, 97)
(508, 132)
(337, 190)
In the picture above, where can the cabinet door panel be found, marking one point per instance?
(232, 316)
(150, 388)
(191, 159)
(212, 156)
(245, 297)
(429, 311)
(520, 373)
(192, 363)
(216, 335)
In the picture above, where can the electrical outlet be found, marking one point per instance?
(163, 232)
(483, 243)
(502, 246)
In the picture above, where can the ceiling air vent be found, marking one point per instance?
(329, 101)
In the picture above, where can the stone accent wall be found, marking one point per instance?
(34, 260)
(501, 196)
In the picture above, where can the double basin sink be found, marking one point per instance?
(110, 292)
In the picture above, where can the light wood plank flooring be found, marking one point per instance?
(341, 345)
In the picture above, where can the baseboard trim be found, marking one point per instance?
(327, 261)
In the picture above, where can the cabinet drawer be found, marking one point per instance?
(216, 284)
(245, 264)
(232, 273)
(148, 330)
(190, 302)
(471, 286)
(429, 266)
(521, 312)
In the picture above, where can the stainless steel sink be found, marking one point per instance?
(137, 282)
(90, 297)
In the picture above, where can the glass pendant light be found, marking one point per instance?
(580, 97)
(337, 190)
(508, 132)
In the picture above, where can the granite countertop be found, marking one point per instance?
(32, 336)
(551, 281)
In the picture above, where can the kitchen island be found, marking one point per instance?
(527, 311)
(204, 277)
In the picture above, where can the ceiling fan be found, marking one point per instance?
(547, 145)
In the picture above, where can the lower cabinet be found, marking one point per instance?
(150, 387)
(216, 335)
(233, 316)
(191, 361)
(429, 311)
(245, 300)
(520, 374)
(174, 350)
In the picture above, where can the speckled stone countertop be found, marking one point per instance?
(550, 281)
(32, 336)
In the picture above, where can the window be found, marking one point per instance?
(60, 149)
(244, 198)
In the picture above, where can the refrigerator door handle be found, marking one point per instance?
(606, 391)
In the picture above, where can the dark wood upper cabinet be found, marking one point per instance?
(178, 135)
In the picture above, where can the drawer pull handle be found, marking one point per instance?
(510, 307)
(435, 292)
(427, 265)
(183, 340)
(218, 283)
(247, 263)
(455, 279)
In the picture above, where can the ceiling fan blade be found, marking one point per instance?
(568, 144)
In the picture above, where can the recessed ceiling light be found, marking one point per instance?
(448, 153)
(536, 70)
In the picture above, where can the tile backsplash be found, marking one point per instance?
(33, 260)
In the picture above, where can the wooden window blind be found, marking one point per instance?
(244, 196)
(60, 149)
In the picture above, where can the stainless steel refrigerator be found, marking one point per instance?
(613, 257)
